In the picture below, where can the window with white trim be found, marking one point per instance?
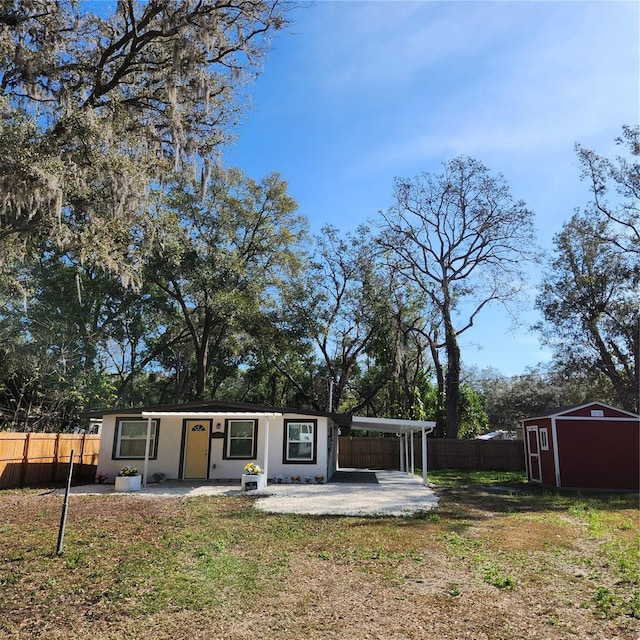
(544, 440)
(241, 439)
(300, 440)
(130, 438)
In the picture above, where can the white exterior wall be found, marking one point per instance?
(170, 448)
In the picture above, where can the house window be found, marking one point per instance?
(241, 439)
(130, 439)
(544, 440)
(300, 440)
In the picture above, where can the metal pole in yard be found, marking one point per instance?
(65, 506)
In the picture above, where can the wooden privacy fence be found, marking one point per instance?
(37, 458)
(384, 453)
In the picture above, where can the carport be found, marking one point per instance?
(405, 430)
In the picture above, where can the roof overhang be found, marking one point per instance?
(218, 408)
(203, 415)
(391, 425)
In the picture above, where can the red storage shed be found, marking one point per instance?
(588, 446)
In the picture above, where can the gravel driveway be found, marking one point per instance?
(394, 493)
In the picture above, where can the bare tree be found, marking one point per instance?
(462, 239)
(615, 189)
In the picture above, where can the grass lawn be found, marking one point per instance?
(461, 478)
(492, 563)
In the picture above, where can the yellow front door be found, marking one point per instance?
(196, 450)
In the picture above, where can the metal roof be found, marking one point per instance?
(391, 425)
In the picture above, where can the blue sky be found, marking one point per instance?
(357, 93)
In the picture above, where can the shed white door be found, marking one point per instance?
(196, 450)
(533, 449)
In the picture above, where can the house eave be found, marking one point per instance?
(219, 407)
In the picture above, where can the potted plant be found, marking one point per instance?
(101, 478)
(253, 478)
(128, 479)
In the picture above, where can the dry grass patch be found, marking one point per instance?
(486, 565)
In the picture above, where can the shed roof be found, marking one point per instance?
(561, 411)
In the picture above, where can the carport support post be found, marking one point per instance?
(266, 449)
(424, 456)
(406, 452)
(147, 446)
(413, 454)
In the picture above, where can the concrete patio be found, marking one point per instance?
(381, 493)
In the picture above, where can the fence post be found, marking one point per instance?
(80, 473)
(25, 459)
(54, 466)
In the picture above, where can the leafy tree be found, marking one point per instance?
(589, 301)
(96, 109)
(282, 368)
(53, 367)
(590, 296)
(398, 363)
(473, 417)
(342, 300)
(461, 238)
(220, 264)
(210, 295)
(509, 399)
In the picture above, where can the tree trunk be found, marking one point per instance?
(441, 423)
(621, 387)
(452, 380)
(202, 355)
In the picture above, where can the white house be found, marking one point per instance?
(214, 440)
